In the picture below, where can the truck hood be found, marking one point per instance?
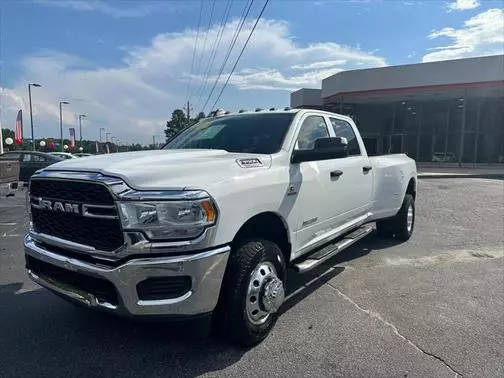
(167, 169)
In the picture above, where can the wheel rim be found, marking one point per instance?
(409, 218)
(265, 293)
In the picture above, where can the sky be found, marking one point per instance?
(128, 64)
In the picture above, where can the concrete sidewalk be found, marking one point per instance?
(455, 172)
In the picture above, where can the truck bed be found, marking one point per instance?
(391, 173)
(9, 171)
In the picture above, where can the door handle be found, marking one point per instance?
(366, 168)
(335, 174)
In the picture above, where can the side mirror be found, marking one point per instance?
(324, 149)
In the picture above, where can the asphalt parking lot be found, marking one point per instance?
(433, 306)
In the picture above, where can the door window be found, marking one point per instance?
(10, 156)
(343, 129)
(37, 158)
(313, 128)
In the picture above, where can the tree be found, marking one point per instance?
(8, 133)
(177, 123)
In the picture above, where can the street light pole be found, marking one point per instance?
(80, 128)
(101, 128)
(31, 115)
(61, 122)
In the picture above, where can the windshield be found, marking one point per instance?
(252, 133)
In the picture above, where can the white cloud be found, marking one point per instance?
(463, 5)
(142, 9)
(273, 79)
(481, 35)
(317, 65)
(135, 97)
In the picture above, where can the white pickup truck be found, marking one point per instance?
(210, 223)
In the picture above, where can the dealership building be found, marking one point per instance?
(447, 111)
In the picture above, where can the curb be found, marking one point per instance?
(497, 176)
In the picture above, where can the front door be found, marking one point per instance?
(314, 184)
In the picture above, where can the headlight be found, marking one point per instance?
(169, 219)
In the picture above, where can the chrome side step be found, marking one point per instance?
(330, 250)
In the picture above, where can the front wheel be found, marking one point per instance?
(402, 224)
(252, 292)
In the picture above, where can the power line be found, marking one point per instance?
(195, 48)
(237, 31)
(215, 47)
(205, 41)
(241, 53)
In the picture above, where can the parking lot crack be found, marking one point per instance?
(394, 329)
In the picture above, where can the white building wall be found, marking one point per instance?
(306, 97)
(469, 70)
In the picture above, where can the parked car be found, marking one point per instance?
(441, 157)
(9, 177)
(210, 223)
(30, 161)
(63, 155)
(82, 154)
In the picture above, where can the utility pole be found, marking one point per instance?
(1, 139)
(188, 109)
(154, 142)
(31, 115)
(61, 122)
(80, 128)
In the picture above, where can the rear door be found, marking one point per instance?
(354, 188)
(31, 163)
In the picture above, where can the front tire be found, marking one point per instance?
(402, 224)
(252, 292)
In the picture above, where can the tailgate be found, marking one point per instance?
(9, 171)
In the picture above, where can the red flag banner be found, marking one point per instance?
(72, 137)
(18, 134)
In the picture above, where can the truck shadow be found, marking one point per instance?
(302, 285)
(43, 335)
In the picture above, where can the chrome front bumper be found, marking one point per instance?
(206, 270)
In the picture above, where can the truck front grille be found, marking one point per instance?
(75, 191)
(104, 234)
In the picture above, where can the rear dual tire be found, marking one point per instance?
(402, 224)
